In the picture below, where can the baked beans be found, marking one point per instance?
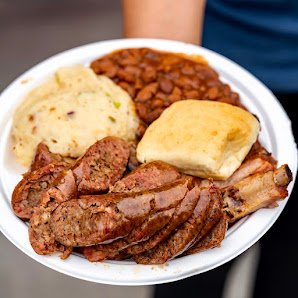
(156, 79)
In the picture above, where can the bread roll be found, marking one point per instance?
(201, 138)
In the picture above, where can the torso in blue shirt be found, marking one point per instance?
(260, 35)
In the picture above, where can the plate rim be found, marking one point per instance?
(144, 42)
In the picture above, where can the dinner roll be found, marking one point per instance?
(207, 139)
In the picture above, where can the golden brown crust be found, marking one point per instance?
(202, 138)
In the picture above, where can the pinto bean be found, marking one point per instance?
(176, 95)
(142, 110)
(147, 92)
(141, 129)
(166, 85)
(157, 103)
(149, 74)
(133, 70)
(212, 93)
(150, 117)
(102, 65)
(111, 72)
(129, 88)
(129, 60)
(172, 75)
(227, 100)
(161, 95)
(226, 90)
(188, 70)
(193, 94)
(126, 76)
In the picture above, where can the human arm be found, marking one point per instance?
(167, 19)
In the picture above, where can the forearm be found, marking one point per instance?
(168, 19)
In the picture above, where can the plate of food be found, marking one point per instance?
(141, 161)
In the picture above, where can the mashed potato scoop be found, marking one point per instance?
(71, 111)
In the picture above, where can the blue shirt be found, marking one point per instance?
(260, 35)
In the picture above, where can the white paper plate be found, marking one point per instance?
(276, 135)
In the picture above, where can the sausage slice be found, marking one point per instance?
(41, 236)
(101, 166)
(182, 238)
(94, 219)
(28, 192)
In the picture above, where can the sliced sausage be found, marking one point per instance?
(41, 236)
(146, 176)
(43, 157)
(212, 239)
(112, 250)
(94, 219)
(180, 240)
(28, 192)
(182, 213)
(102, 165)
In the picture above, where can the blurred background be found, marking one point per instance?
(31, 31)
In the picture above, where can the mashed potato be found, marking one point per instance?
(70, 112)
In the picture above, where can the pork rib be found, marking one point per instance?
(257, 191)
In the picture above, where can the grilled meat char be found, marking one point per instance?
(145, 177)
(212, 239)
(29, 191)
(183, 237)
(117, 248)
(160, 232)
(41, 236)
(65, 188)
(101, 166)
(260, 190)
(43, 157)
(182, 213)
(94, 219)
(215, 215)
(124, 247)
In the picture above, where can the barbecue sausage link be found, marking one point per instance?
(117, 248)
(182, 212)
(102, 165)
(146, 176)
(214, 216)
(28, 192)
(94, 219)
(40, 234)
(184, 236)
(212, 239)
(43, 156)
